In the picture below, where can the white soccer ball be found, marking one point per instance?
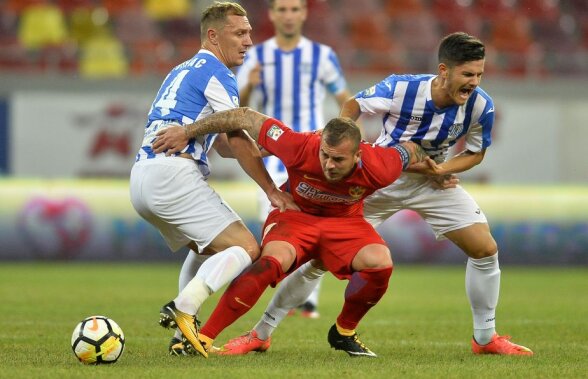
(97, 339)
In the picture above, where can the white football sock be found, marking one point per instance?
(214, 273)
(483, 287)
(190, 268)
(313, 298)
(292, 292)
(191, 265)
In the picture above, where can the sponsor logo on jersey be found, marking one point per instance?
(235, 100)
(455, 130)
(490, 110)
(274, 132)
(307, 191)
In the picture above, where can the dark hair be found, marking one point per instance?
(217, 12)
(458, 48)
(339, 129)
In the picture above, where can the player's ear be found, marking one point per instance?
(212, 36)
(443, 70)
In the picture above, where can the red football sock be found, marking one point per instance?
(242, 294)
(364, 290)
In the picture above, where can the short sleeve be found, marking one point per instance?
(283, 142)
(378, 98)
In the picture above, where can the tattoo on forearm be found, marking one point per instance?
(221, 122)
(419, 153)
(227, 121)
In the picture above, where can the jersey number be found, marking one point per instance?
(168, 97)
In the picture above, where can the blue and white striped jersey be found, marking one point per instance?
(293, 85)
(408, 113)
(192, 90)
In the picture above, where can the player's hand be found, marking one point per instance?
(282, 200)
(442, 182)
(171, 140)
(426, 167)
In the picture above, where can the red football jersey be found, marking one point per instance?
(299, 152)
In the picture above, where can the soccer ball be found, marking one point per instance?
(97, 339)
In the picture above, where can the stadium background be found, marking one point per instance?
(78, 76)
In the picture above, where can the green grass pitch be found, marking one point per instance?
(421, 328)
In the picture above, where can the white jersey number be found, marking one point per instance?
(168, 97)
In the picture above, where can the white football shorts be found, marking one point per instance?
(264, 206)
(445, 210)
(172, 195)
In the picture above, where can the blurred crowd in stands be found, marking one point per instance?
(118, 38)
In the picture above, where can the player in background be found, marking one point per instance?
(433, 111)
(329, 175)
(287, 77)
(171, 192)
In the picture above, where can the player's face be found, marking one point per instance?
(460, 81)
(288, 17)
(338, 161)
(233, 40)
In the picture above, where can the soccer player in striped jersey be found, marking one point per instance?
(287, 77)
(171, 192)
(433, 111)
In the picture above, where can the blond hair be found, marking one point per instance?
(215, 15)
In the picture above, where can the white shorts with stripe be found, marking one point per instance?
(445, 210)
(172, 195)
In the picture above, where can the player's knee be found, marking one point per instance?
(252, 249)
(483, 250)
(372, 257)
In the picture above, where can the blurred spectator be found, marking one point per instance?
(525, 37)
(103, 56)
(42, 25)
(169, 9)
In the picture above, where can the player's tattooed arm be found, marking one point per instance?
(410, 153)
(228, 121)
(175, 138)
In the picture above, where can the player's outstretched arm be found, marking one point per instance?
(228, 121)
(175, 138)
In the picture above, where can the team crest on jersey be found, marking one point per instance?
(370, 91)
(305, 68)
(274, 132)
(455, 130)
(356, 192)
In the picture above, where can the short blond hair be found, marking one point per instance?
(215, 15)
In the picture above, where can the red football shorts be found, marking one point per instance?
(333, 240)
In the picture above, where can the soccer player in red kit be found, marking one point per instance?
(329, 175)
